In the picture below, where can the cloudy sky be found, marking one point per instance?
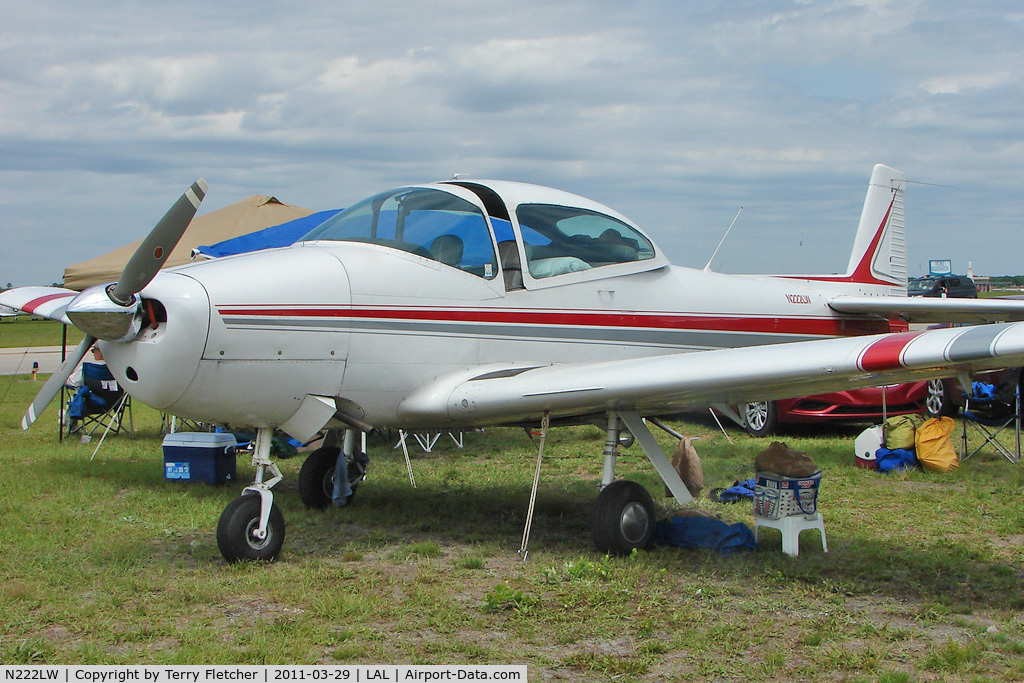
(676, 113)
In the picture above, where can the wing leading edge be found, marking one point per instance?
(46, 302)
(932, 310)
(665, 384)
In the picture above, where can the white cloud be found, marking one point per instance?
(953, 85)
(675, 113)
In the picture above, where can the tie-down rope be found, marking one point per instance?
(544, 423)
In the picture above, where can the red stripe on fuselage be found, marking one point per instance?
(774, 325)
(886, 353)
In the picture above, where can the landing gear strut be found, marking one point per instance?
(624, 516)
(252, 526)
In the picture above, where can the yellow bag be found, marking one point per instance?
(935, 451)
(899, 431)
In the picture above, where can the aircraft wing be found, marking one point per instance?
(932, 310)
(671, 383)
(46, 302)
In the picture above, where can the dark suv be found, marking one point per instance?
(953, 286)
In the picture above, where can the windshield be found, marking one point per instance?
(427, 222)
(920, 285)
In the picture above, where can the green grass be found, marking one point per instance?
(28, 332)
(107, 562)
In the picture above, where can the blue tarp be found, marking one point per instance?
(704, 532)
(275, 236)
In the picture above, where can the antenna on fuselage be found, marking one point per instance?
(459, 176)
(722, 241)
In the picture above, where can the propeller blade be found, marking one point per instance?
(154, 251)
(56, 381)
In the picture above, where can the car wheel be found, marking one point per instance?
(937, 403)
(760, 417)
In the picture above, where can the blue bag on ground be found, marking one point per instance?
(735, 493)
(704, 532)
(890, 460)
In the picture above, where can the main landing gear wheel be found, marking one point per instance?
(316, 478)
(760, 417)
(623, 518)
(236, 531)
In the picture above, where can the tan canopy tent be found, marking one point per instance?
(249, 215)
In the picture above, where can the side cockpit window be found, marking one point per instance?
(430, 223)
(561, 239)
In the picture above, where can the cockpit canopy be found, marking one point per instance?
(423, 221)
(436, 223)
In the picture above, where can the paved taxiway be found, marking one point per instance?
(18, 361)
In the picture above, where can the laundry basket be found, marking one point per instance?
(776, 496)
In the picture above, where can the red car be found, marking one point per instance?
(856, 405)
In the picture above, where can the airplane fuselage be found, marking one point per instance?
(367, 324)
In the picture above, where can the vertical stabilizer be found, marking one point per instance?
(880, 248)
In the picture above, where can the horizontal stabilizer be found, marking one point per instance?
(932, 310)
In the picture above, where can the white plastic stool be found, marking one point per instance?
(791, 526)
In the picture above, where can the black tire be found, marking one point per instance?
(235, 531)
(761, 418)
(938, 402)
(316, 478)
(623, 518)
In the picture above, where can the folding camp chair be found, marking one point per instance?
(994, 414)
(171, 424)
(100, 403)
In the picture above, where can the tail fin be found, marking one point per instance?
(880, 248)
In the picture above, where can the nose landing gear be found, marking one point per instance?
(252, 526)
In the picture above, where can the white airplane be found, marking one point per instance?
(469, 303)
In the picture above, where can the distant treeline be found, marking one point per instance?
(1006, 280)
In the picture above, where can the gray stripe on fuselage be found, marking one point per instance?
(684, 338)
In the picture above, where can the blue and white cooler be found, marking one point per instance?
(199, 456)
